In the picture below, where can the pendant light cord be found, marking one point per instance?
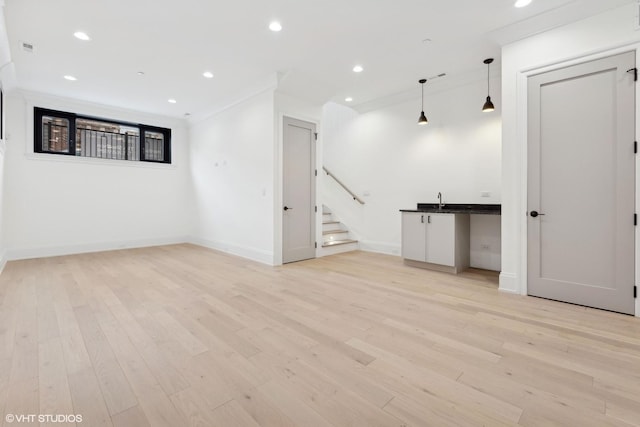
(488, 106)
(423, 119)
(488, 78)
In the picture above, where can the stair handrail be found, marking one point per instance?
(355, 197)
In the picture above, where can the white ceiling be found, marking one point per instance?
(174, 42)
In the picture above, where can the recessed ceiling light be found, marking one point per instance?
(171, 101)
(522, 3)
(348, 99)
(358, 69)
(81, 35)
(208, 74)
(275, 26)
(140, 73)
(70, 78)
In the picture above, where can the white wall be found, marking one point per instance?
(232, 169)
(596, 36)
(385, 154)
(7, 77)
(57, 205)
(3, 255)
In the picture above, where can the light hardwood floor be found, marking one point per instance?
(181, 335)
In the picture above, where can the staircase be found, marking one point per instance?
(335, 235)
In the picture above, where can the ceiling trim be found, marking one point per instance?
(269, 82)
(566, 14)
(47, 100)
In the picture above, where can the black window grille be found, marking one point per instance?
(59, 132)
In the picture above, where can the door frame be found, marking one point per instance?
(522, 125)
(278, 199)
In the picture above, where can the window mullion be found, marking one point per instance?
(142, 142)
(72, 136)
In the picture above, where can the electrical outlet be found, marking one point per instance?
(485, 247)
(485, 194)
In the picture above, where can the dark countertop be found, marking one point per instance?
(457, 208)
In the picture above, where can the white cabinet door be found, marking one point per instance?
(441, 239)
(413, 236)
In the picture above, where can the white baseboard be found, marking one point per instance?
(380, 247)
(264, 257)
(258, 255)
(509, 283)
(51, 251)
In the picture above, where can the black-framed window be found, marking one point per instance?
(63, 133)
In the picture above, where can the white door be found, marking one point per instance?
(581, 184)
(413, 236)
(441, 233)
(299, 193)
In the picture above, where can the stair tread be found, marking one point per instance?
(334, 231)
(331, 222)
(338, 242)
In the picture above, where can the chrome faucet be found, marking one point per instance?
(440, 204)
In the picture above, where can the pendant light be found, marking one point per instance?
(488, 106)
(423, 119)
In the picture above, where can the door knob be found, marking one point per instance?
(535, 214)
(287, 208)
